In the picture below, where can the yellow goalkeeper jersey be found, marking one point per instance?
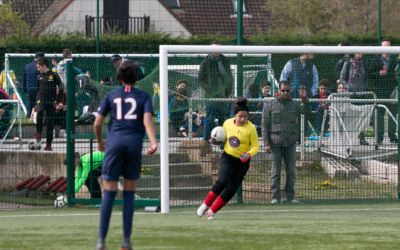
(240, 139)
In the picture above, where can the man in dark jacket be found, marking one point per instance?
(280, 133)
(383, 81)
(215, 78)
(29, 82)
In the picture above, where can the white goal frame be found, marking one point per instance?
(166, 50)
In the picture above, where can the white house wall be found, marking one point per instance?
(161, 20)
(72, 19)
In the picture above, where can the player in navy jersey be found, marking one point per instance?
(130, 112)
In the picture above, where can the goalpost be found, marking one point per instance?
(328, 55)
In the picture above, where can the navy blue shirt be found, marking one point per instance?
(126, 106)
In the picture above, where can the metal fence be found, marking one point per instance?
(111, 25)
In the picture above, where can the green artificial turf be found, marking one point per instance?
(356, 226)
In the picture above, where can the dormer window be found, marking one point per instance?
(173, 4)
(235, 2)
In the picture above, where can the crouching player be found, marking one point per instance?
(130, 117)
(240, 146)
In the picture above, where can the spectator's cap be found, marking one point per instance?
(39, 54)
(115, 57)
(302, 87)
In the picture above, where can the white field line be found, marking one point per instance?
(222, 212)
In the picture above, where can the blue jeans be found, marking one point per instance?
(288, 155)
(216, 114)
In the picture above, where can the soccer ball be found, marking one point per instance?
(60, 201)
(218, 134)
(34, 145)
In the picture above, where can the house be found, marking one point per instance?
(175, 17)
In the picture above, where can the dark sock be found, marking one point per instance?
(105, 212)
(127, 214)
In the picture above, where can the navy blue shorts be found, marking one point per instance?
(122, 160)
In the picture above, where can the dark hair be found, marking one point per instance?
(283, 83)
(115, 57)
(385, 39)
(181, 81)
(67, 53)
(129, 72)
(240, 105)
(323, 82)
(265, 83)
(42, 61)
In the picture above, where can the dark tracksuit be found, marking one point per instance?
(49, 93)
(29, 84)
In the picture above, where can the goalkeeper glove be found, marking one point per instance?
(245, 157)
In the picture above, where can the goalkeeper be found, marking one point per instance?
(85, 175)
(241, 145)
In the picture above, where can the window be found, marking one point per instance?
(234, 2)
(173, 4)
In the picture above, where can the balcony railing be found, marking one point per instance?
(111, 25)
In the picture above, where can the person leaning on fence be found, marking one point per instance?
(241, 145)
(130, 118)
(216, 79)
(178, 106)
(49, 94)
(280, 133)
(382, 72)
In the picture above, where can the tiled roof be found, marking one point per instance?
(203, 17)
(31, 10)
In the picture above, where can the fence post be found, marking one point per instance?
(70, 133)
(398, 130)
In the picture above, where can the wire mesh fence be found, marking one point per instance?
(345, 139)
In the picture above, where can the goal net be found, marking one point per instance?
(199, 94)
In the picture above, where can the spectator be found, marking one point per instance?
(49, 94)
(353, 76)
(60, 116)
(320, 108)
(29, 82)
(280, 132)
(301, 71)
(215, 78)
(178, 106)
(240, 146)
(61, 67)
(5, 113)
(341, 62)
(308, 118)
(341, 88)
(383, 81)
(3, 79)
(255, 92)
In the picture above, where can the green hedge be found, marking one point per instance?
(149, 43)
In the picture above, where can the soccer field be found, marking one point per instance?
(360, 226)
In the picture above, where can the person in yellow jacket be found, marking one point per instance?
(240, 146)
(86, 174)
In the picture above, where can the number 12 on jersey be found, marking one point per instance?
(130, 115)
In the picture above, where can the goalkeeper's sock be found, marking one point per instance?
(127, 213)
(210, 198)
(218, 204)
(105, 212)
